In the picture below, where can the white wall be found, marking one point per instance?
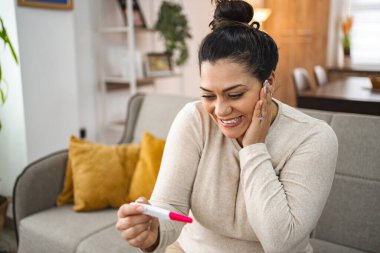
(199, 14)
(49, 74)
(12, 136)
(86, 66)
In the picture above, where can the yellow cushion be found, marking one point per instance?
(67, 194)
(101, 174)
(146, 172)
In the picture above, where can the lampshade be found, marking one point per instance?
(261, 14)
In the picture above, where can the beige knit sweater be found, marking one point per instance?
(261, 198)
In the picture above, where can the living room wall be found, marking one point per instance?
(48, 69)
(12, 135)
(59, 79)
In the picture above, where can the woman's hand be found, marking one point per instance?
(261, 119)
(140, 230)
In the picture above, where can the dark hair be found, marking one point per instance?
(233, 38)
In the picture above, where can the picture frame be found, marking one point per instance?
(51, 4)
(138, 17)
(158, 64)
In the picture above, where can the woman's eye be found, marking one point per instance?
(236, 96)
(208, 97)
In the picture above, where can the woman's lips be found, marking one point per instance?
(231, 122)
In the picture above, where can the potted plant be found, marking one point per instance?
(174, 28)
(4, 201)
(346, 41)
(3, 85)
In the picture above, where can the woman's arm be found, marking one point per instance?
(178, 170)
(284, 209)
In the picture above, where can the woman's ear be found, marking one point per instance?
(272, 78)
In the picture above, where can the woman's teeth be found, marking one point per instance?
(231, 121)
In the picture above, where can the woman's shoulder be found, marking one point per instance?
(303, 123)
(194, 109)
(301, 116)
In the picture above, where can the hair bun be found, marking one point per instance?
(233, 10)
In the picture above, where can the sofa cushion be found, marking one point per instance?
(106, 240)
(322, 115)
(100, 174)
(352, 213)
(359, 145)
(146, 172)
(328, 247)
(61, 229)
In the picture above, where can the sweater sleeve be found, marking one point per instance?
(177, 171)
(284, 209)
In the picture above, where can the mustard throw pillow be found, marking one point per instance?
(146, 172)
(101, 174)
(67, 194)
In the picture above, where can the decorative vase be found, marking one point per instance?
(347, 61)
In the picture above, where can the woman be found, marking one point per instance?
(253, 172)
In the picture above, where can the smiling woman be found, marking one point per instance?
(51, 4)
(252, 172)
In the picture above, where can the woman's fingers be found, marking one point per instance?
(136, 230)
(130, 221)
(137, 241)
(126, 209)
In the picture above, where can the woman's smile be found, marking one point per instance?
(232, 122)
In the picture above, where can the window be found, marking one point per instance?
(365, 33)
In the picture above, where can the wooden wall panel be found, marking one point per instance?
(300, 29)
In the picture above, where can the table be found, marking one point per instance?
(334, 73)
(351, 94)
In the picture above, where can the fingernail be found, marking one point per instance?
(141, 199)
(267, 86)
(140, 208)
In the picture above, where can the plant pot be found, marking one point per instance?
(4, 202)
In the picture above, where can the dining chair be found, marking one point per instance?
(301, 80)
(320, 75)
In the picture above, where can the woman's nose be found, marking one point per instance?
(222, 108)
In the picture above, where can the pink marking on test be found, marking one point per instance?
(180, 217)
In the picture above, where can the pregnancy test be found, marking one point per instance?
(162, 213)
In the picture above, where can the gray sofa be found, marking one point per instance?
(350, 221)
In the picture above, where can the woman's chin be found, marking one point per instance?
(230, 134)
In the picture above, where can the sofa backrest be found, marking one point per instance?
(352, 214)
(153, 113)
(322, 115)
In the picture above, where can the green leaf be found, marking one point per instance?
(1, 125)
(174, 28)
(2, 96)
(4, 36)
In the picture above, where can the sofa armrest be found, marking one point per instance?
(38, 186)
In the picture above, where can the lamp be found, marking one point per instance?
(261, 14)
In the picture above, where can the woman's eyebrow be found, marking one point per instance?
(227, 89)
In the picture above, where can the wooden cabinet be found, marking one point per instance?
(299, 28)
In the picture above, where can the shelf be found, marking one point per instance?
(116, 83)
(124, 29)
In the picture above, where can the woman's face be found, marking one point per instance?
(229, 95)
